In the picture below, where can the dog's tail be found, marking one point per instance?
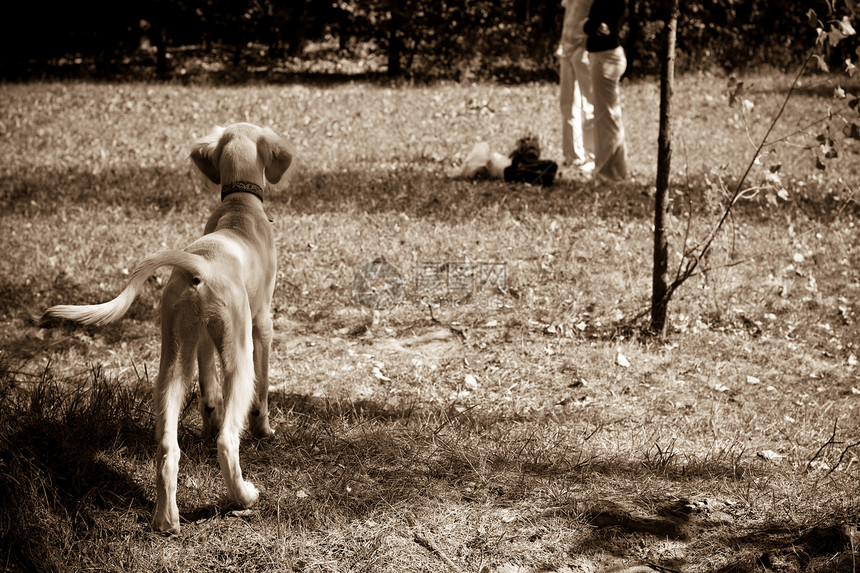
(101, 314)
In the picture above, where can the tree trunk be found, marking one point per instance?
(295, 27)
(634, 31)
(238, 45)
(159, 38)
(660, 280)
(395, 39)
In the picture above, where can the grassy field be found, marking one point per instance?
(523, 428)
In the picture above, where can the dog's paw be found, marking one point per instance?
(259, 426)
(245, 495)
(166, 521)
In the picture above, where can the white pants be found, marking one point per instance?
(610, 154)
(577, 127)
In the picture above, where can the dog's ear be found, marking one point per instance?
(206, 154)
(275, 153)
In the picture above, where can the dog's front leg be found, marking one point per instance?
(259, 420)
(211, 403)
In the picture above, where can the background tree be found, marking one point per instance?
(660, 279)
(830, 39)
(510, 40)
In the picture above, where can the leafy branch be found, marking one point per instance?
(690, 263)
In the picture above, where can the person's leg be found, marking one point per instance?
(583, 79)
(610, 148)
(599, 101)
(571, 122)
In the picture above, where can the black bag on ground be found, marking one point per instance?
(533, 173)
(526, 165)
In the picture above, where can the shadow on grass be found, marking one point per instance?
(419, 188)
(823, 547)
(73, 453)
(57, 442)
(433, 195)
(20, 300)
(453, 441)
(149, 189)
(17, 295)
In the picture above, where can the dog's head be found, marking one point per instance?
(242, 152)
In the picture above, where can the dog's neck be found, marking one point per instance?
(242, 187)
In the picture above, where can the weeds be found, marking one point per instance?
(57, 481)
(660, 459)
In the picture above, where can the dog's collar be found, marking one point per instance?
(242, 187)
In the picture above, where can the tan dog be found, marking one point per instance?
(217, 299)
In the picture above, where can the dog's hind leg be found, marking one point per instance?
(175, 375)
(262, 334)
(211, 403)
(230, 330)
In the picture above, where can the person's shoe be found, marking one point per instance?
(586, 167)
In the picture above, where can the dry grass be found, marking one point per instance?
(492, 437)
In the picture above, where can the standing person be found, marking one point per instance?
(577, 128)
(607, 61)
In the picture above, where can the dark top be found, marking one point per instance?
(604, 21)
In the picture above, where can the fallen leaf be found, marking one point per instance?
(845, 26)
(470, 382)
(377, 373)
(621, 360)
(769, 455)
